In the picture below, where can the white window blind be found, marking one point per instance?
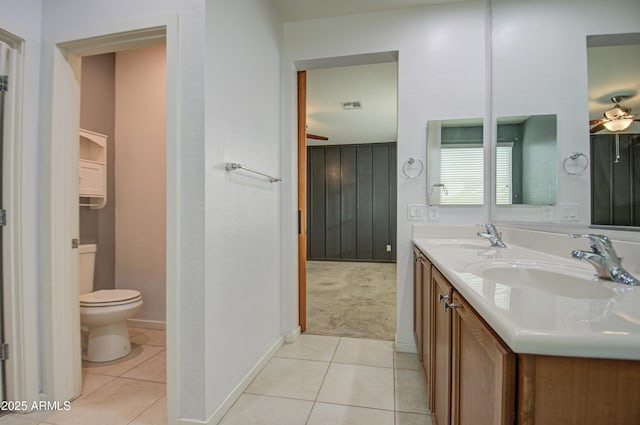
(462, 173)
(504, 173)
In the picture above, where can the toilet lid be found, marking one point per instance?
(109, 296)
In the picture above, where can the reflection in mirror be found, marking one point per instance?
(526, 160)
(455, 155)
(614, 81)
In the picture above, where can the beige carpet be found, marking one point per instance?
(351, 299)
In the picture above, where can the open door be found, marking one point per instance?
(302, 200)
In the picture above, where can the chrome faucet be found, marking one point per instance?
(605, 260)
(493, 235)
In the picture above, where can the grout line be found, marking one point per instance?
(395, 412)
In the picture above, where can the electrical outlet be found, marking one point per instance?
(547, 213)
(389, 248)
(434, 213)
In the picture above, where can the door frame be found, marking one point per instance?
(60, 346)
(21, 367)
(302, 67)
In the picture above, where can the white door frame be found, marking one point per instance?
(21, 368)
(61, 324)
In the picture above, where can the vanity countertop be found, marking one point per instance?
(583, 316)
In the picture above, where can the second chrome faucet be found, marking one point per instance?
(491, 233)
(604, 258)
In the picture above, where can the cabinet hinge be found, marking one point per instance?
(4, 83)
(3, 217)
(4, 351)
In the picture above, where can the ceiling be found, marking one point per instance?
(614, 70)
(375, 86)
(300, 10)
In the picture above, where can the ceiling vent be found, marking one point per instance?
(352, 105)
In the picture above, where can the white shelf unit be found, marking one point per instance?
(92, 169)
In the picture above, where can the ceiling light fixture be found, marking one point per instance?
(619, 124)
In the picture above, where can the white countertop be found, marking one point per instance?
(603, 322)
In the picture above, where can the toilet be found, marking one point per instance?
(104, 314)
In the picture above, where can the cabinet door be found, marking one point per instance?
(427, 332)
(483, 371)
(417, 300)
(442, 293)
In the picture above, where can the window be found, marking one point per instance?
(504, 174)
(465, 188)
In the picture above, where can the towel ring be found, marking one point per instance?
(412, 168)
(575, 167)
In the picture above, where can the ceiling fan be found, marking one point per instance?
(316, 137)
(617, 118)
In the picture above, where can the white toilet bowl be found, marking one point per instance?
(103, 318)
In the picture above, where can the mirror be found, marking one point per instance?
(614, 100)
(455, 158)
(526, 158)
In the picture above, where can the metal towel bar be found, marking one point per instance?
(231, 166)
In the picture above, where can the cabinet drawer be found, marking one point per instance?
(91, 179)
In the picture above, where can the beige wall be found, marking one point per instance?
(97, 113)
(140, 176)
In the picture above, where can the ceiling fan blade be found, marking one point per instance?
(598, 121)
(597, 128)
(316, 137)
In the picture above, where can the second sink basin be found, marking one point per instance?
(551, 278)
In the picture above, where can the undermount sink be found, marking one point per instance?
(551, 278)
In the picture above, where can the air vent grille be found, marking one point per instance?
(351, 105)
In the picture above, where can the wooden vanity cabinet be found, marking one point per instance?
(474, 373)
(483, 371)
(418, 257)
(442, 292)
(427, 330)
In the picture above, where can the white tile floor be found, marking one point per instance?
(324, 380)
(128, 391)
(318, 380)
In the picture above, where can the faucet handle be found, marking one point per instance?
(491, 228)
(599, 241)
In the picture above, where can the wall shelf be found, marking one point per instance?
(92, 169)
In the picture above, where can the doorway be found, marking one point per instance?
(347, 200)
(62, 368)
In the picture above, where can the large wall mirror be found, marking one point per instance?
(614, 96)
(455, 158)
(526, 157)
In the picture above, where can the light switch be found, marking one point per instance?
(416, 212)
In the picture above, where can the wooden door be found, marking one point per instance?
(442, 293)
(483, 371)
(417, 301)
(427, 331)
(302, 200)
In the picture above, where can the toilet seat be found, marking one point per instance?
(109, 297)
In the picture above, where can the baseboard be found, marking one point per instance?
(239, 389)
(147, 324)
(405, 347)
(293, 335)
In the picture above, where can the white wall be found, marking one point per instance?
(542, 69)
(140, 177)
(243, 124)
(441, 75)
(66, 20)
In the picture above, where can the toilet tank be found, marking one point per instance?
(87, 267)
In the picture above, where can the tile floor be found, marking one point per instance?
(128, 391)
(326, 380)
(318, 380)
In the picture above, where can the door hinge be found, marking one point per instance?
(4, 83)
(299, 222)
(3, 217)
(4, 351)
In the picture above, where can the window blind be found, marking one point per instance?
(504, 174)
(462, 173)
